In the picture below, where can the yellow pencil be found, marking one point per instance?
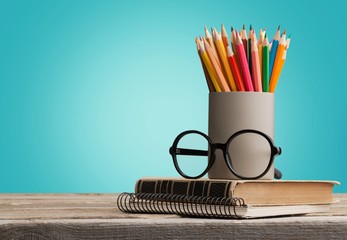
(276, 68)
(219, 54)
(215, 54)
(207, 75)
(208, 65)
(224, 59)
(222, 83)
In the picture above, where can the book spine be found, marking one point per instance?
(181, 187)
(199, 206)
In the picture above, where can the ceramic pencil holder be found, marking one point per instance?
(248, 154)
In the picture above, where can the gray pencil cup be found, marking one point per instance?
(248, 154)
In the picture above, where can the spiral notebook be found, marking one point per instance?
(209, 207)
(227, 198)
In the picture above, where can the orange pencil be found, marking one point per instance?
(220, 77)
(233, 39)
(235, 70)
(282, 62)
(210, 41)
(276, 68)
(224, 37)
(256, 74)
(284, 57)
(224, 60)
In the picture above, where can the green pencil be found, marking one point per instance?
(265, 70)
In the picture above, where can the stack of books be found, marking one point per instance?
(228, 198)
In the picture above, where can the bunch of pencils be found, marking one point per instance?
(242, 64)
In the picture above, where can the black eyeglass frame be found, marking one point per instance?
(174, 151)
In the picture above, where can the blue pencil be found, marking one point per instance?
(273, 50)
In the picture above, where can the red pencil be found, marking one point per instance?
(244, 64)
(235, 69)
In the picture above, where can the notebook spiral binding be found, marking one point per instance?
(199, 206)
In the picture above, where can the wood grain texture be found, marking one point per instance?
(95, 216)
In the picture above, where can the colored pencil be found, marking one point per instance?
(219, 54)
(233, 43)
(224, 36)
(209, 67)
(249, 46)
(209, 82)
(214, 54)
(224, 60)
(256, 76)
(282, 63)
(244, 64)
(210, 41)
(276, 68)
(265, 72)
(233, 39)
(243, 35)
(222, 82)
(260, 49)
(273, 49)
(235, 70)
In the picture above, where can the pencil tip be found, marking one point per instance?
(279, 26)
(250, 27)
(232, 29)
(284, 32)
(243, 27)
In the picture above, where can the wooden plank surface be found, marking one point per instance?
(95, 216)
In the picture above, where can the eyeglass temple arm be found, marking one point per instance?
(191, 152)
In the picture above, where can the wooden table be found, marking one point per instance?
(95, 216)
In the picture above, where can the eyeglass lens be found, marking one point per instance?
(249, 154)
(193, 165)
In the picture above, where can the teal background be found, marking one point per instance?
(92, 93)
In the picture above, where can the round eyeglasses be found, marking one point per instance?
(193, 153)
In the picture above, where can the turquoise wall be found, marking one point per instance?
(92, 93)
